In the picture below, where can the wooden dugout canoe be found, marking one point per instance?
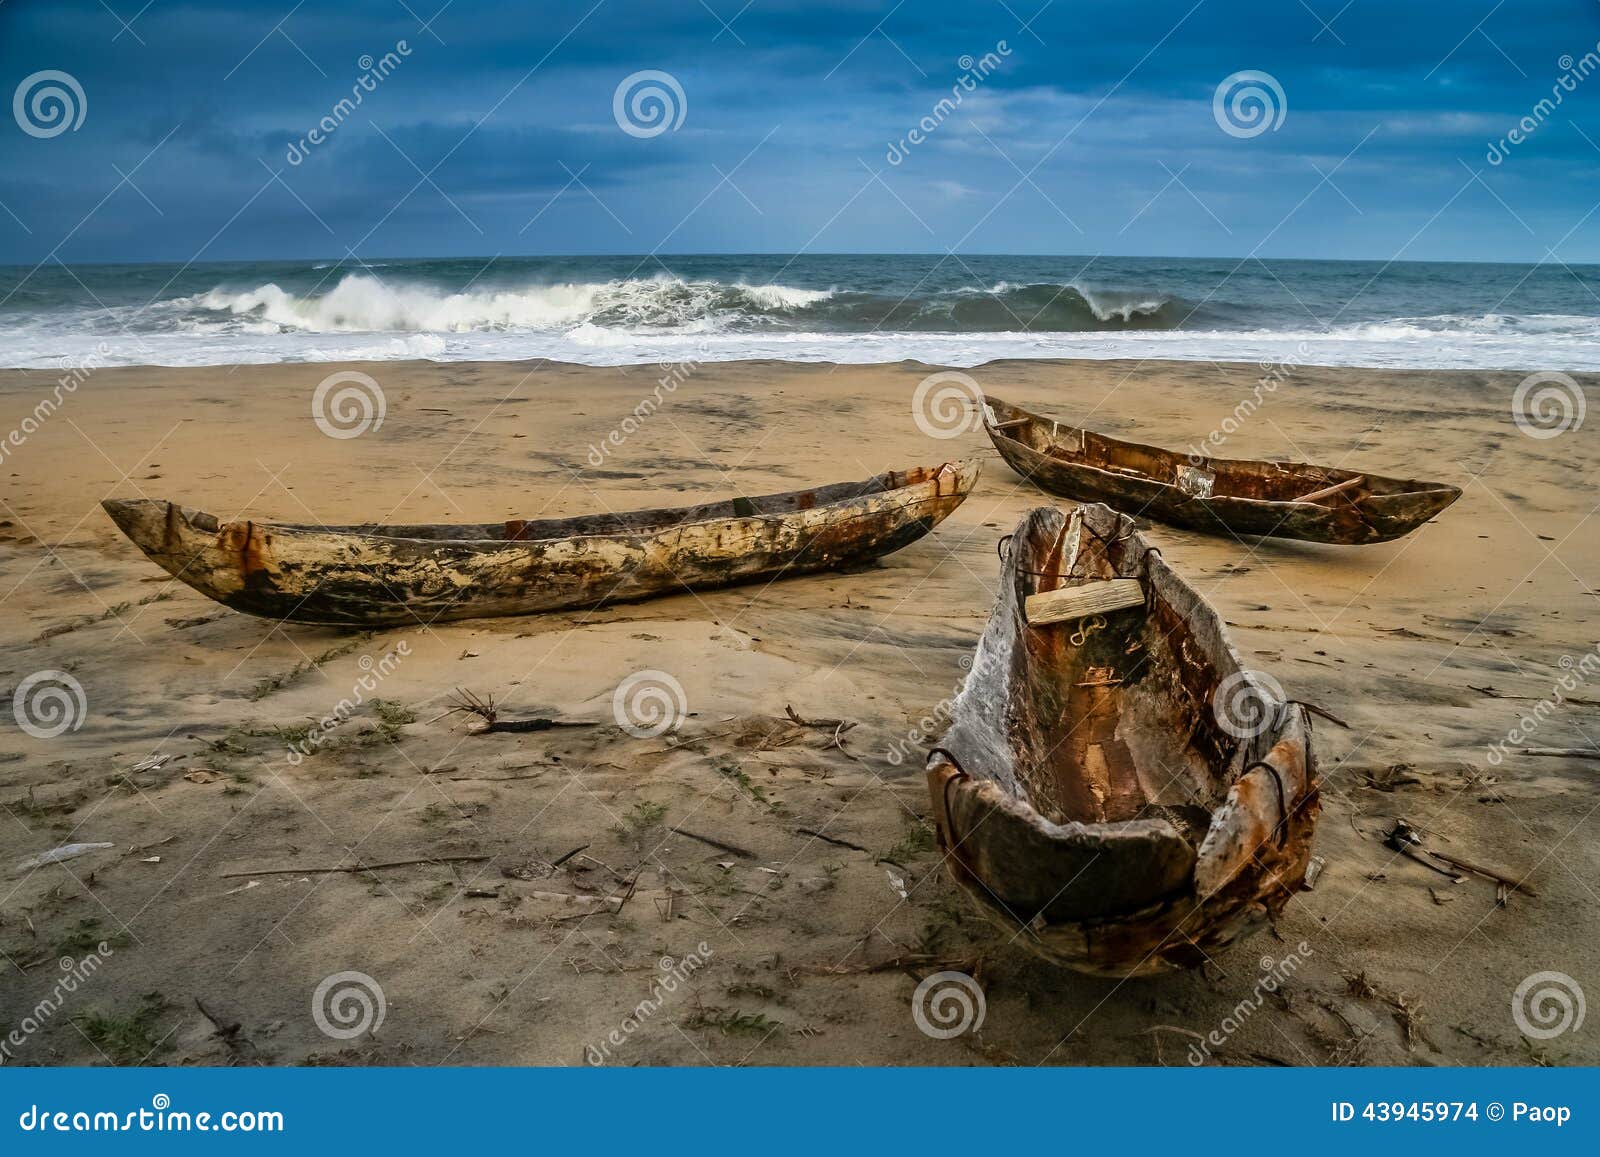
(388, 575)
(1127, 803)
(1241, 496)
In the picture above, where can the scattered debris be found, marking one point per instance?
(834, 840)
(356, 867)
(1403, 838)
(488, 716)
(201, 775)
(732, 849)
(58, 855)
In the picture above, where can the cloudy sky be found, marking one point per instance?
(1095, 129)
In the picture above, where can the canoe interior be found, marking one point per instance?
(625, 522)
(1118, 727)
(1261, 481)
(1093, 794)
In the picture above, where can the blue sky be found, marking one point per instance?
(1093, 133)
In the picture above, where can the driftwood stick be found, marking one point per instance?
(1330, 491)
(1487, 873)
(354, 867)
(1322, 711)
(1563, 752)
(1094, 598)
(834, 725)
(558, 862)
(1011, 425)
(483, 727)
(732, 849)
(814, 834)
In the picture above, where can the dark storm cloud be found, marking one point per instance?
(1094, 133)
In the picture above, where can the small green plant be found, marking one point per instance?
(130, 1038)
(270, 683)
(732, 1022)
(643, 816)
(86, 936)
(730, 770)
(393, 714)
(917, 841)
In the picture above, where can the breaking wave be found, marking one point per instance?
(360, 303)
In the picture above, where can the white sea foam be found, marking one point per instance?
(361, 303)
(1396, 345)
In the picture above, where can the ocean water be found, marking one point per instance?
(859, 308)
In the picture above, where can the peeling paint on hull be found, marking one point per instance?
(1229, 496)
(396, 575)
(1087, 795)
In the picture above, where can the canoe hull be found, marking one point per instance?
(339, 577)
(1052, 458)
(1173, 835)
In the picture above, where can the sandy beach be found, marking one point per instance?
(799, 949)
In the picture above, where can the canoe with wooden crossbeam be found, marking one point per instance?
(381, 575)
(1238, 496)
(1116, 790)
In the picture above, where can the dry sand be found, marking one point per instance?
(1430, 648)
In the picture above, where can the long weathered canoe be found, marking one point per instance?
(381, 575)
(1118, 792)
(1241, 496)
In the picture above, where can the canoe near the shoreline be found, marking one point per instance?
(1237, 496)
(1116, 790)
(386, 575)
